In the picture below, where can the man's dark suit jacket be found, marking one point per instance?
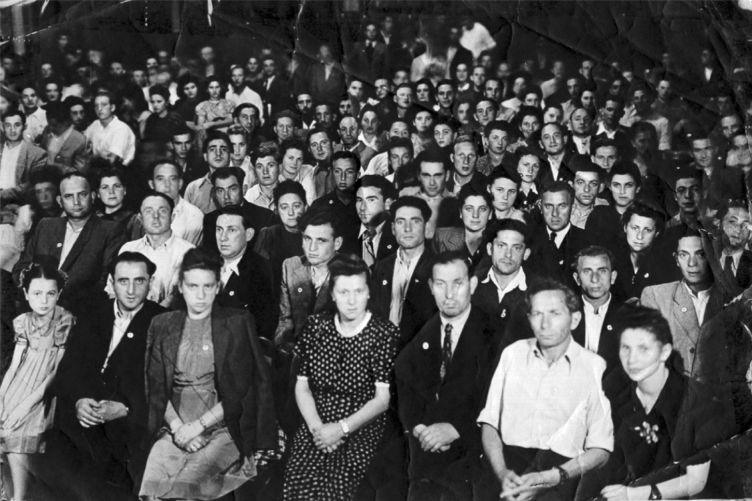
(252, 291)
(419, 305)
(326, 90)
(604, 225)
(277, 98)
(743, 275)
(423, 398)
(548, 261)
(82, 375)
(86, 264)
(241, 376)
(364, 65)
(608, 343)
(507, 319)
(546, 175)
(348, 220)
(387, 243)
(257, 216)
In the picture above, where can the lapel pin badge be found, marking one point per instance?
(684, 309)
(504, 313)
(609, 327)
(647, 275)
(389, 246)
(59, 244)
(231, 293)
(300, 289)
(384, 282)
(425, 346)
(129, 335)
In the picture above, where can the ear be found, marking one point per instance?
(249, 232)
(526, 254)
(666, 352)
(451, 155)
(473, 284)
(180, 184)
(337, 243)
(206, 157)
(388, 203)
(575, 321)
(151, 184)
(59, 200)
(489, 248)
(577, 278)
(613, 277)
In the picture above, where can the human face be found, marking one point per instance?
(369, 203)
(461, 73)
(239, 148)
(103, 108)
(703, 152)
(452, 288)
(45, 193)
(248, 119)
(321, 147)
(158, 104)
(624, 190)
(232, 236)
(382, 88)
(595, 276)
(423, 93)
(13, 127)
(551, 320)
(504, 192)
(552, 140)
(237, 76)
(687, 194)
(588, 100)
(269, 67)
(492, 90)
(284, 128)
(478, 77)
(605, 157)
(528, 168)
(139, 77)
(42, 295)
(267, 171)
(409, 228)
(498, 140)
(586, 186)
(443, 135)
(29, 99)
(46, 70)
(319, 244)
(641, 101)
(529, 126)
(111, 192)
(289, 208)
(181, 145)
(422, 122)
(77, 114)
(52, 92)
(475, 213)
(151, 63)
(167, 180)
(484, 112)
(217, 154)
(531, 99)
(557, 209)
(356, 90)
(642, 142)
(292, 161)
(199, 288)
(214, 90)
(463, 113)
(608, 112)
(507, 251)
(735, 226)
(252, 66)
(227, 192)
(464, 158)
(663, 90)
(403, 97)
(371, 32)
(350, 295)
(580, 122)
(76, 198)
(641, 354)
(552, 115)
(400, 77)
(573, 88)
(304, 103)
(156, 215)
(345, 108)
(345, 174)
(398, 156)
(641, 233)
(432, 178)
(692, 261)
(370, 123)
(399, 129)
(323, 115)
(586, 68)
(348, 131)
(130, 282)
(445, 96)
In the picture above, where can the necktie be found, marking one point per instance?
(728, 265)
(446, 350)
(553, 238)
(371, 252)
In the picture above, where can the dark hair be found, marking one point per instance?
(227, 172)
(180, 130)
(132, 257)
(46, 174)
(507, 224)
(433, 155)
(57, 111)
(388, 191)
(242, 106)
(731, 204)
(320, 216)
(346, 155)
(291, 144)
(160, 90)
(642, 317)
(447, 257)
(562, 130)
(572, 300)
(625, 168)
(400, 142)
(642, 210)
(414, 202)
(501, 173)
(153, 193)
(318, 130)
(234, 210)
(109, 172)
(346, 265)
(13, 112)
(199, 258)
(558, 187)
(43, 268)
(265, 149)
(287, 187)
(162, 161)
(532, 89)
(501, 125)
(213, 135)
(473, 190)
(593, 251)
(582, 163)
(688, 232)
(287, 114)
(604, 142)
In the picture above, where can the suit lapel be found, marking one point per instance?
(81, 241)
(684, 312)
(58, 237)
(170, 345)
(220, 337)
(715, 304)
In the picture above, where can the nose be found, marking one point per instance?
(131, 288)
(291, 212)
(555, 212)
(692, 260)
(588, 189)
(222, 236)
(408, 227)
(201, 293)
(639, 236)
(451, 292)
(476, 212)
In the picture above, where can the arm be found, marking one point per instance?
(307, 405)
(682, 487)
(576, 467)
(494, 450)
(284, 326)
(331, 434)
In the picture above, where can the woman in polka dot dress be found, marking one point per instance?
(342, 390)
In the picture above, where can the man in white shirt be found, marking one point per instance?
(108, 137)
(265, 162)
(187, 219)
(18, 157)
(581, 125)
(475, 37)
(36, 117)
(217, 148)
(238, 92)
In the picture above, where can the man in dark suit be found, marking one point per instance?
(275, 92)
(327, 79)
(101, 410)
(557, 241)
(734, 259)
(82, 244)
(19, 156)
(399, 283)
(594, 273)
(373, 197)
(441, 378)
(367, 58)
(553, 140)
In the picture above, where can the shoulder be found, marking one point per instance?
(167, 319)
(592, 362)
(661, 290)
(292, 263)
(182, 245)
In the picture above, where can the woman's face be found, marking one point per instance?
(528, 168)
(42, 295)
(461, 73)
(191, 90)
(4, 105)
(158, 104)
(199, 288)
(289, 208)
(350, 294)
(111, 192)
(529, 126)
(423, 93)
(588, 99)
(641, 354)
(253, 65)
(214, 89)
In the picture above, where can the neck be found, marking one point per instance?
(162, 113)
(622, 209)
(107, 120)
(462, 180)
(503, 214)
(78, 223)
(13, 144)
(413, 252)
(123, 309)
(109, 209)
(235, 256)
(289, 173)
(597, 303)
(699, 287)
(554, 353)
(267, 190)
(157, 239)
(580, 205)
(369, 137)
(556, 156)
(199, 315)
(44, 318)
(349, 324)
(504, 280)
(652, 385)
(344, 196)
(496, 158)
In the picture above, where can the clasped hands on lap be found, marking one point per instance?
(436, 437)
(90, 412)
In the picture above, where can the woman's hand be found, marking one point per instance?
(186, 433)
(197, 444)
(328, 437)
(616, 493)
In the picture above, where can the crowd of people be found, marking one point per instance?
(423, 271)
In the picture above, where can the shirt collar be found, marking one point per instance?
(573, 351)
(357, 330)
(700, 294)
(125, 315)
(589, 308)
(519, 281)
(232, 264)
(364, 230)
(561, 233)
(459, 320)
(412, 261)
(167, 243)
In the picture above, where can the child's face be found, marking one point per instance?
(42, 295)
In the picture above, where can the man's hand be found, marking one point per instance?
(437, 437)
(186, 433)
(534, 482)
(249, 466)
(110, 410)
(88, 413)
(509, 482)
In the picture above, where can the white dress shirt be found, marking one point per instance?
(593, 322)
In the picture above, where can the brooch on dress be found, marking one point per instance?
(648, 432)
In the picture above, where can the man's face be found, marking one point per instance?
(557, 209)
(158, 103)
(369, 122)
(321, 147)
(475, 213)
(348, 131)
(399, 129)
(52, 92)
(29, 99)
(76, 198)
(498, 140)
(268, 67)
(45, 193)
(345, 174)
(403, 97)
(181, 145)
(445, 96)
(573, 88)
(460, 73)
(730, 125)
(103, 108)
(692, 261)
(167, 180)
(432, 178)
(398, 156)
(369, 203)
(586, 68)
(239, 148)
(478, 77)
(267, 170)
(735, 226)
(507, 251)
(227, 192)
(247, 118)
(641, 233)
(588, 99)
(452, 288)
(608, 112)
(443, 135)
(116, 69)
(46, 70)
(492, 90)
(237, 76)
(423, 122)
(130, 282)
(139, 77)
(151, 63)
(156, 215)
(289, 208)
(409, 228)
(400, 77)
(371, 32)
(529, 126)
(595, 276)
(231, 234)
(464, 158)
(687, 194)
(304, 103)
(552, 140)
(580, 122)
(624, 189)
(586, 185)
(13, 127)
(663, 90)
(323, 115)
(703, 152)
(484, 112)
(356, 90)
(382, 88)
(77, 114)
(528, 168)
(605, 157)
(550, 318)
(641, 101)
(207, 55)
(284, 128)
(464, 113)
(319, 244)
(422, 93)
(217, 154)
(345, 108)
(503, 192)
